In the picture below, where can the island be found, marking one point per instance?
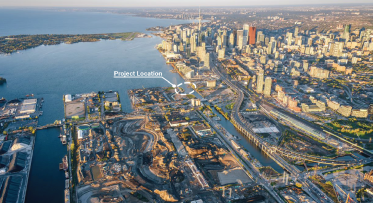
(10, 44)
(2, 80)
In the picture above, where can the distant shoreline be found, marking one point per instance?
(14, 43)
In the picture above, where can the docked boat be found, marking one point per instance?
(65, 163)
(63, 139)
(66, 184)
(61, 166)
(216, 118)
(66, 175)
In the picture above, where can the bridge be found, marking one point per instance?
(52, 125)
(272, 151)
(134, 117)
(241, 124)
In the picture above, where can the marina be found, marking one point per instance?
(50, 65)
(285, 116)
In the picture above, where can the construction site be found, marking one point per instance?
(295, 194)
(129, 160)
(302, 143)
(170, 156)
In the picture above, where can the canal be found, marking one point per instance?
(46, 182)
(246, 143)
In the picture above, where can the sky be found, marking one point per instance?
(168, 3)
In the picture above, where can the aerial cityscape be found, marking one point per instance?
(192, 103)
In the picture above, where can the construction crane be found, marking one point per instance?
(349, 199)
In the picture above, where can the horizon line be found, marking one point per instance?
(193, 6)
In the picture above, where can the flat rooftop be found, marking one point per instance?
(28, 108)
(29, 101)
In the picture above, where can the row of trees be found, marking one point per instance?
(353, 127)
(226, 115)
(31, 129)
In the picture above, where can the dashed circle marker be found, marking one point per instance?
(187, 83)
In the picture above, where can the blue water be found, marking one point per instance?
(249, 145)
(46, 182)
(33, 21)
(51, 71)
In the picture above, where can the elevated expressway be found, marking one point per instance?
(273, 151)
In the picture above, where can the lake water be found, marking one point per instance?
(31, 21)
(52, 71)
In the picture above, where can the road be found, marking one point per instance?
(241, 123)
(255, 174)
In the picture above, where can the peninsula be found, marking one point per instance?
(10, 44)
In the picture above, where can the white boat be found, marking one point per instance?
(63, 139)
(67, 183)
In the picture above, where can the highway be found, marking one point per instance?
(349, 94)
(254, 172)
(241, 124)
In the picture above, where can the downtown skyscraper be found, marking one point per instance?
(240, 39)
(260, 81)
(252, 35)
(267, 86)
(245, 36)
